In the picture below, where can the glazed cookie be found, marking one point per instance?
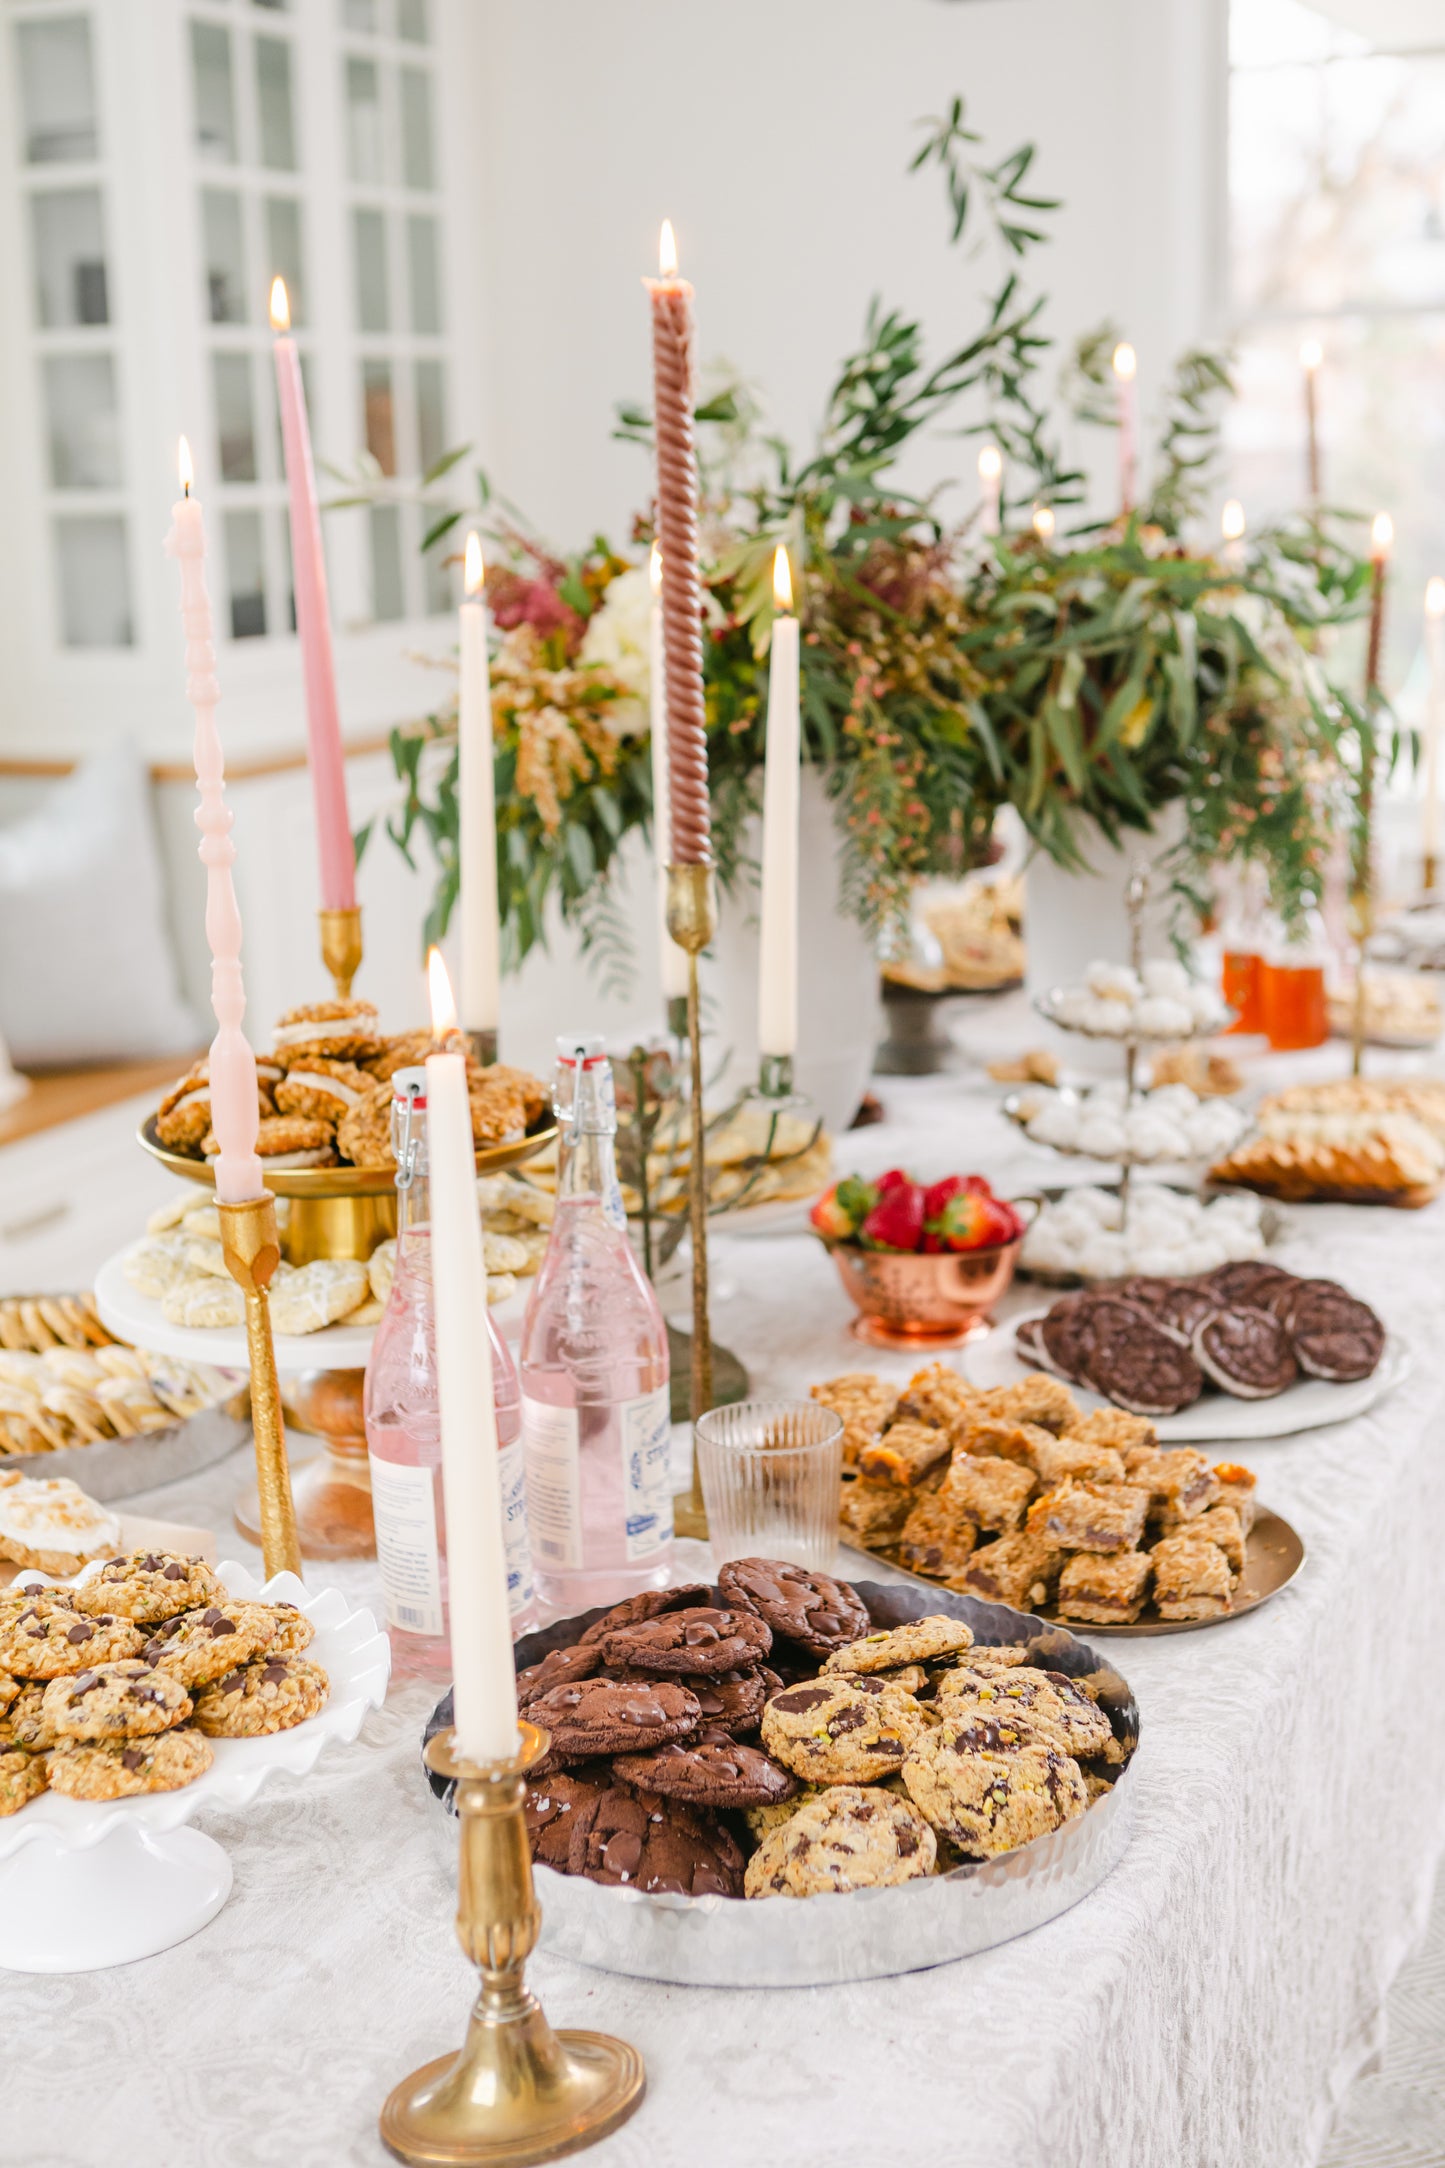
(702, 1640)
(119, 1768)
(155, 1265)
(921, 1641)
(25, 1723)
(329, 1030)
(640, 1841)
(559, 1668)
(200, 1647)
(381, 1269)
(128, 1700)
(322, 1090)
(850, 1837)
(986, 1795)
(363, 1135)
(273, 1694)
(636, 1610)
(149, 1587)
(1039, 1705)
(711, 1770)
(812, 1609)
(205, 1303)
(22, 1778)
(319, 1294)
(842, 1731)
(291, 1630)
(601, 1716)
(47, 1637)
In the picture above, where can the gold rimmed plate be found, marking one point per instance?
(1273, 1556)
(320, 1182)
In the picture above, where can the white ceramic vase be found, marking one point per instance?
(839, 1015)
(1074, 919)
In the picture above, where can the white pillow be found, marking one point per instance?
(86, 968)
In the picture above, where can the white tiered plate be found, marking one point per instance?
(138, 1319)
(1311, 1405)
(1047, 1006)
(90, 1883)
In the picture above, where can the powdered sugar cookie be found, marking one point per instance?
(156, 1264)
(381, 1268)
(320, 1294)
(205, 1303)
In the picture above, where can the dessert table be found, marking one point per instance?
(1206, 2007)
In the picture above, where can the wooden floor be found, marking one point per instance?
(68, 1093)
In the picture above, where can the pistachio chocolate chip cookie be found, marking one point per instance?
(200, 1647)
(1041, 1705)
(813, 1609)
(126, 1700)
(48, 1637)
(23, 1777)
(149, 1587)
(841, 1731)
(921, 1641)
(850, 1837)
(987, 1793)
(119, 1768)
(273, 1694)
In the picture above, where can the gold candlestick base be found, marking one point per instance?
(517, 2091)
(252, 1252)
(484, 1046)
(341, 947)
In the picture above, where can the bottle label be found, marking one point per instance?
(403, 1505)
(554, 1484)
(512, 1468)
(646, 1471)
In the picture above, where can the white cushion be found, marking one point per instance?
(87, 973)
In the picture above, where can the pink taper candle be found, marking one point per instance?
(313, 623)
(234, 1106)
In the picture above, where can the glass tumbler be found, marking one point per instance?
(771, 1473)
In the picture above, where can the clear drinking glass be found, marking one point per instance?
(771, 1472)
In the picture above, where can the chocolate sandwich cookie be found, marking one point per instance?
(1029, 1342)
(636, 1610)
(639, 1840)
(1281, 1299)
(1246, 1280)
(1142, 1369)
(1246, 1352)
(1182, 1309)
(603, 1716)
(559, 1668)
(811, 1609)
(1336, 1337)
(711, 1770)
(702, 1639)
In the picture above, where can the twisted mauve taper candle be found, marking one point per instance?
(677, 530)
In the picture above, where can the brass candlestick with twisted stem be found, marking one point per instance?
(692, 922)
(252, 1251)
(516, 2091)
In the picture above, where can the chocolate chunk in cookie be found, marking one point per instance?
(125, 1700)
(695, 1640)
(711, 1770)
(812, 1609)
(603, 1716)
(149, 1587)
(850, 1837)
(636, 1610)
(842, 1730)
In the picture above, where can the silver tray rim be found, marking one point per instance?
(867, 1934)
(116, 1468)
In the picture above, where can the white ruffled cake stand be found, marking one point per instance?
(90, 1883)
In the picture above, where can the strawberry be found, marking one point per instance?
(895, 1178)
(936, 1196)
(963, 1223)
(931, 1243)
(896, 1221)
(841, 1210)
(977, 1186)
(1003, 1222)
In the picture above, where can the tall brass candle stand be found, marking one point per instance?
(252, 1252)
(692, 922)
(516, 2091)
(341, 947)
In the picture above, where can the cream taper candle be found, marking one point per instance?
(1126, 369)
(476, 793)
(483, 1680)
(778, 961)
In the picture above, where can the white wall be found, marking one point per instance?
(776, 137)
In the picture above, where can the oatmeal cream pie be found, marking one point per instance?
(842, 1730)
(273, 1694)
(121, 1768)
(45, 1636)
(849, 1837)
(125, 1700)
(330, 1030)
(532, 1092)
(363, 1134)
(149, 1587)
(986, 1796)
(286, 1140)
(322, 1090)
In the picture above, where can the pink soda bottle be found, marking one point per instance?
(403, 1427)
(596, 1418)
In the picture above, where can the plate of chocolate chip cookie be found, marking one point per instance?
(957, 1771)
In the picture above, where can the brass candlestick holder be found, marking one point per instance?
(252, 1252)
(341, 947)
(483, 1046)
(692, 922)
(516, 2091)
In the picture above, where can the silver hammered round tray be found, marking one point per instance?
(115, 1468)
(867, 1934)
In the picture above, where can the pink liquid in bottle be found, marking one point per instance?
(595, 1402)
(403, 1429)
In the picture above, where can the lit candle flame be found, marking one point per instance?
(667, 251)
(474, 573)
(1231, 520)
(1311, 354)
(1382, 535)
(990, 463)
(654, 567)
(1435, 598)
(188, 472)
(782, 580)
(280, 306)
(1044, 522)
(1126, 361)
(439, 989)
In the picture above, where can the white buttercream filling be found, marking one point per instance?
(332, 1086)
(325, 1027)
(312, 1157)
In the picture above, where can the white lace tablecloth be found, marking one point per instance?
(1205, 2008)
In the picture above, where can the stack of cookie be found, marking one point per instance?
(1017, 1496)
(324, 1097)
(181, 1265)
(115, 1685)
(654, 1781)
(60, 1397)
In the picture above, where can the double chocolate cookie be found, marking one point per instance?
(812, 1609)
(562, 1667)
(605, 1716)
(637, 1610)
(711, 1770)
(700, 1639)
